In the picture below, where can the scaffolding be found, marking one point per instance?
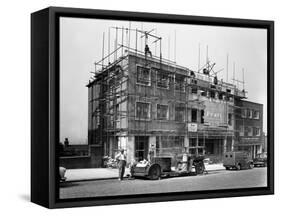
(113, 80)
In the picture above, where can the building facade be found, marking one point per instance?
(142, 104)
(249, 127)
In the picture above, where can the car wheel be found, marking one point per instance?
(238, 167)
(154, 172)
(227, 168)
(199, 168)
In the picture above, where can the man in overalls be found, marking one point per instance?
(121, 159)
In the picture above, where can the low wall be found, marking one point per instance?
(76, 162)
(93, 160)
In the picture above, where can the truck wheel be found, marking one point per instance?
(154, 172)
(238, 167)
(251, 166)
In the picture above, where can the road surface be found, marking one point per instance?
(221, 179)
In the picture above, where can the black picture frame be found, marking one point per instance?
(45, 105)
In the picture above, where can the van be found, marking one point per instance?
(237, 160)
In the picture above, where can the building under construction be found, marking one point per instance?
(144, 103)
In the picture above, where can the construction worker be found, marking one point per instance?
(121, 160)
(147, 51)
(215, 80)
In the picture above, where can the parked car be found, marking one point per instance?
(260, 160)
(237, 160)
(62, 171)
(161, 166)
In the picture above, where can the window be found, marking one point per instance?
(248, 131)
(243, 113)
(143, 75)
(230, 119)
(179, 141)
(162, 112)
(142, 110)
(200, 151)
(179, 112)
(201, 142)
(257, 132)
(179, 82)
(202, 116)
(241, 130)
(192, 142)
(192, 151)
(193, 115)
(194, 90)
(256, 114)
(162, 79)
(249, 113)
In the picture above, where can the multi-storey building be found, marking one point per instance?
(249, 127)
(142, 103)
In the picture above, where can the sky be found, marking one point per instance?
(81, 45)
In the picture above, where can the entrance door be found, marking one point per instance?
(209, 147)
(141, 147)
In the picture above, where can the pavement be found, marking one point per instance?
(215, 180)
(75, 175)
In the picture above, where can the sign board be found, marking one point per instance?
(253, 140)
(192, 127)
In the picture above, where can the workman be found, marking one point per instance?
(147, 51)
(121, 160)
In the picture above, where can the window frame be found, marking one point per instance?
(249, 113)
(168, 116)
(256, 129)
(180, 105)
(196, 115)
(256, 111)
(243, 113)
(168, 79)
(149, 113)
(140, 83)
(184, 83)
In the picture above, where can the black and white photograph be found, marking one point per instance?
(151, 107)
